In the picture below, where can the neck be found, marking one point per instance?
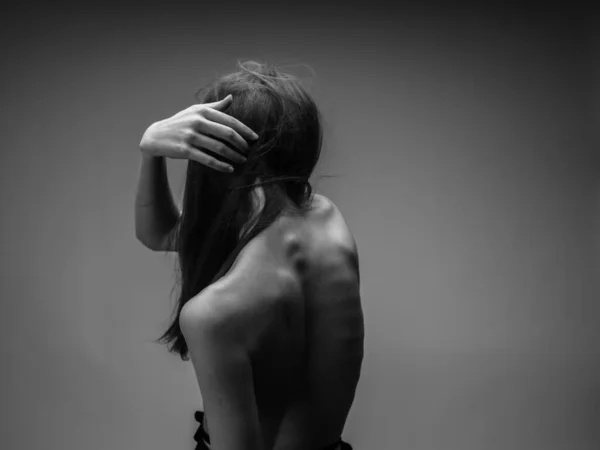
(258, 202)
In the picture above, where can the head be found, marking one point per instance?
(219, 209)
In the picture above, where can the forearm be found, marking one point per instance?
(156, 213)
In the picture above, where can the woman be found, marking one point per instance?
(269, 310)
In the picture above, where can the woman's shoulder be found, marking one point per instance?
(330, 228)
(320, 237)
(291, 246)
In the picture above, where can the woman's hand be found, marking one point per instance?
(190, 132)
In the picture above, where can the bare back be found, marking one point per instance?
(307, 364)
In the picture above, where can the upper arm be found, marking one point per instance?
(222, 326)
(168, 243)
(224, 373)
(165, 242)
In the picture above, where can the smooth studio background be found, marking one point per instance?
(464, 149)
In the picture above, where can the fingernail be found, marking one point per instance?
(254, 135)
(229, 169)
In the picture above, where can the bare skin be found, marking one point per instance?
(292, 297)
(321, 393)
(307, 359)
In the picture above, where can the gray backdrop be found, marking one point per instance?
(466, 165)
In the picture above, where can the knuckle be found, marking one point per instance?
(198, 123)
(185, 150)
(188, 136)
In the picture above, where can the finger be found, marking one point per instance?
(221, 104)
(231, 122)
(222, 132)
(207, 160)
(201, 141)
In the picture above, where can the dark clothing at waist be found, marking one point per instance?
(203, 439)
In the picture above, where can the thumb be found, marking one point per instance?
(221, 104)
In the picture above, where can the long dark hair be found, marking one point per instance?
(218, 206)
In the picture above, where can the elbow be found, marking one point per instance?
(142, 239)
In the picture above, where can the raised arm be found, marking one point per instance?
(156, 214)
(184, 136)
